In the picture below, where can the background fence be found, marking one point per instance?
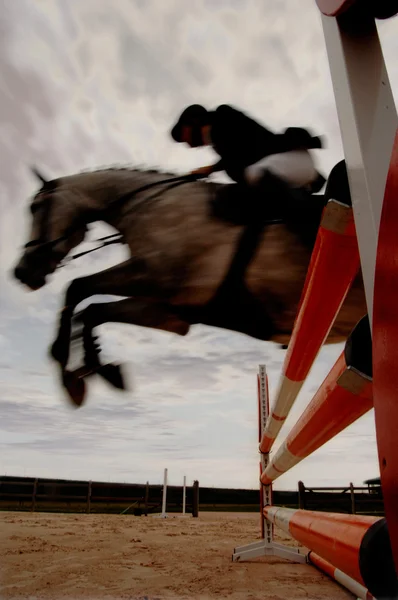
(352, 500)
(57, 495)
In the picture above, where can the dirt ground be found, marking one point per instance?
(104, 557)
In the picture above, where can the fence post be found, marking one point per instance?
(301, 495)
(352, 498)
(89, 497)
(34, 495)
(146, 498)
(195, 499)
(184, 495)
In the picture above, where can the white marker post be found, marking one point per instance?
(163, 515)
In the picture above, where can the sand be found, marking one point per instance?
(48, 556)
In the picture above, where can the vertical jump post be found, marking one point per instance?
(369, 129)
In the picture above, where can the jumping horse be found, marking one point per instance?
(182, 235)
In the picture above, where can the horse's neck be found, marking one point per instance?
(104, 188)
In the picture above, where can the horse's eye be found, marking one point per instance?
(34, 208)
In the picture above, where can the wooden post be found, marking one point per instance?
(90, 483)
(184, 495)
(164, 496)
(301, 495)
(34, 495)
(352, 499)
(146, 498)
(195, 499)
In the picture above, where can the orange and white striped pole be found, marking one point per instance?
(385, 338)
(334, 265)
(348, 582)
(355, 544)
(345, 395)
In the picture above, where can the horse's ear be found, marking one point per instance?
(46, 184)
(39, 176)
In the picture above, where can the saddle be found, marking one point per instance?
(255, 209)
(272, 202)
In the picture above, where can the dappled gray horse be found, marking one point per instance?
(177, 275)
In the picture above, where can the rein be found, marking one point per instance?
(117, 238)
(174, 181)
(114, 238)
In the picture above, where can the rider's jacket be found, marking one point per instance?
(240, 141)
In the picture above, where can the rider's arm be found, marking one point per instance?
(228, 123)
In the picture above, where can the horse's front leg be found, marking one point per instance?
(155, 314)
(125, 279)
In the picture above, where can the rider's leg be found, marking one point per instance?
(266, 203)
(271, 185)
(296, 168)
(284, 184)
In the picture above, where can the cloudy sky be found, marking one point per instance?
(90, 83)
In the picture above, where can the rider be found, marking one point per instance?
(250, 153)
(274, 166)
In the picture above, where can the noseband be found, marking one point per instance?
(42, 243)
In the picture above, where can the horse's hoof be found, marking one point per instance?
(75, 386)
(59, 353)
(113, 375)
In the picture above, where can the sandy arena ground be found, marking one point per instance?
(46, 556)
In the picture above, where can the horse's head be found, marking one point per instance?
(57, 212)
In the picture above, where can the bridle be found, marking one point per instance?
(42, 244)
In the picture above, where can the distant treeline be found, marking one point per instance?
(59, 495)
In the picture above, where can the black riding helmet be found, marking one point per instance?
(195, 116)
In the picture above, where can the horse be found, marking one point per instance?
(180, 254)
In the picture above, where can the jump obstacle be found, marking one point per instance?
(358, 229)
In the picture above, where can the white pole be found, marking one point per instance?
(368, 122)
(183, 495)
(164, 494)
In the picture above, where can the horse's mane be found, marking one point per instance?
(144, 172)
(132, 169)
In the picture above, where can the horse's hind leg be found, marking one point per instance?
(133, 311)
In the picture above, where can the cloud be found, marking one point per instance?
(91, 84)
